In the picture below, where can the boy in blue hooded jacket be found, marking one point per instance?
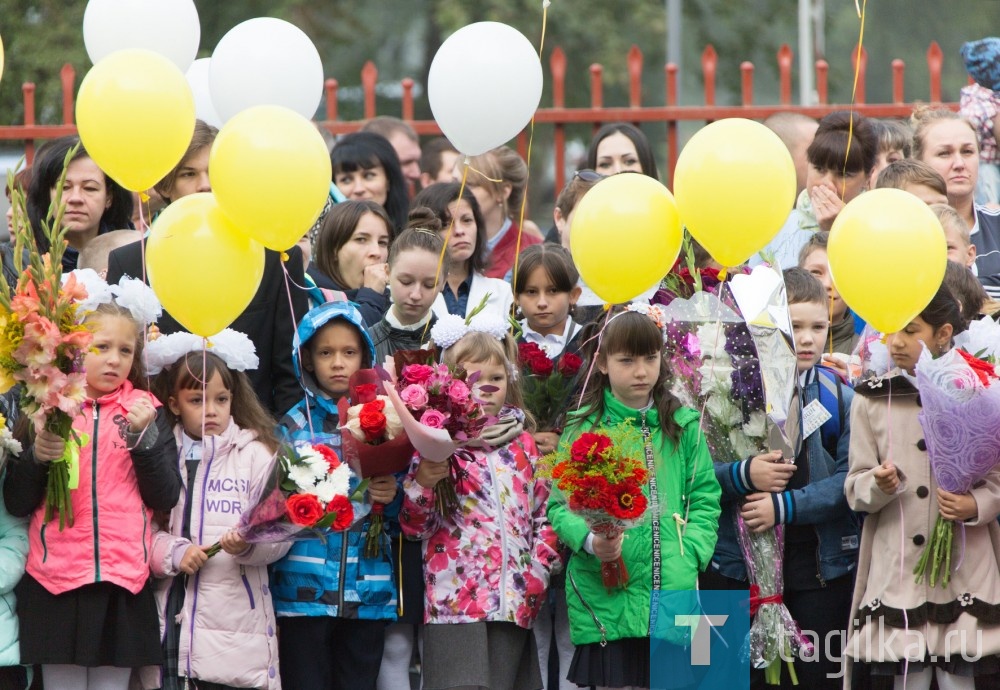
(332, 603)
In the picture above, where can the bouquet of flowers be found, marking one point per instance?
(8, 444)
(440, 414)
(42, 345)
(374, 445)
(547, 383)
(731, 357)
(601, 477)
(307, 494)
(959, 414)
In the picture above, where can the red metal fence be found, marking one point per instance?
(559, 116)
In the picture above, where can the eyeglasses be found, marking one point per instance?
(588, 175)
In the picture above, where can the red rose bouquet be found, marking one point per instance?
(603, 482)
(307, 494)
(375, 444)
(440, 414)
(547, 384)
(42, 344)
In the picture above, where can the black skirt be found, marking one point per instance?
(99, 624)
(625, 662)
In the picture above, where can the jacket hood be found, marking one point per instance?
(312, 322)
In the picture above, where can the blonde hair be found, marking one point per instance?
(924, 117)
(137, 373)
(483, 347)
(950, 218)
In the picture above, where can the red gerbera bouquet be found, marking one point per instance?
(375, 444)
(307, 494)
(602, 482)
(547, 384)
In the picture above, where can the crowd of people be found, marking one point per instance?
(506, 592)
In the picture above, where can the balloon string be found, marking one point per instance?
(531, 139)
(829, 331)
(854, 91)
(597, 350)
(447, 236)
(291, 310)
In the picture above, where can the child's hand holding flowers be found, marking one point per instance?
(382, 489)
(232, 543)
(430, 473)
(48, 446)
(957, 507)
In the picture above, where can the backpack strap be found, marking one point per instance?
(832, 399)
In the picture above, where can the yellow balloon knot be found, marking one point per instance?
(607, 306)
(153, 333)
(284, 257)
(723, 273)
(143, 197)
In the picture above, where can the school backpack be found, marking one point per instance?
(831, 397)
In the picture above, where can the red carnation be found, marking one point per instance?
(983, 369)
(569, 364)
(304, 509)
(372, 420)
(331, 457)
(589, 446)
(341, 506)
(365, 393)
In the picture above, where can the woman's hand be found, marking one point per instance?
(430, 473)
(383, 489)
(140, 415)
(48, 446)
(959, 507)
(376, 277)
(607, 548)
(826, 204)
(232, 543)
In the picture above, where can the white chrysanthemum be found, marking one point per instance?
(448, 330)
(712, 340)
(981, 339)
(340, 479)
(743, 446)
(757, 426)
(722, 409)
(316, 463)
(716, 377)
(164, 351)
(235, 349)
(8, 443)
(98, 291)
(303, 476)
(138, 298)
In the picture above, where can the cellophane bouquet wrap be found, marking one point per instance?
(42, 344)
(960, 416)
(307, 495)
(439, 413)
(547, 384)
(714, 346)
(601, 476)
(373, 443)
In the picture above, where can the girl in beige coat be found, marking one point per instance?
(900, 627)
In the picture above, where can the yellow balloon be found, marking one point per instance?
(625, 236)
(270, 170)
(202, 268)
(735, 185)
(1, 57)
(887, 255)
(135, 113)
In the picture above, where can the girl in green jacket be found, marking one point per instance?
(611, 629)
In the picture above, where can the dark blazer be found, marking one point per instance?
(266, 321)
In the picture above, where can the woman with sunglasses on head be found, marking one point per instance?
(499, 180)
(621, 147)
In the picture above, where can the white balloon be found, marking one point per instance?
(266, 61)
(197, 79)
(484, 86)
(167, 27)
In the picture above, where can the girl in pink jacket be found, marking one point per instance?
(486, 566)
(216, 617)
(85, 606)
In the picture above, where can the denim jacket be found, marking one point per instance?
(820, 503)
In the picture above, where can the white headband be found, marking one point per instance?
(130, 293)
(449, 329)
(232, 347)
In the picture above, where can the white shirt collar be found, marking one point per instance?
(553, 345)
(395, 323)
